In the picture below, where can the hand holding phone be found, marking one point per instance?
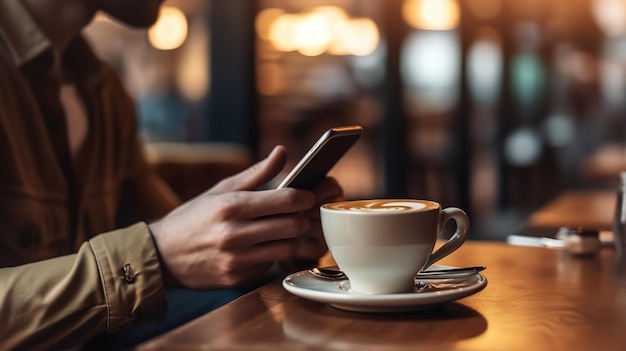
(322, 156)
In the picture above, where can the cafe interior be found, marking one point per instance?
(511, 110)
(492, 106)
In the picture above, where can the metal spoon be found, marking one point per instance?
(334, 273)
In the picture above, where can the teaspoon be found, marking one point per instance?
(334, 273)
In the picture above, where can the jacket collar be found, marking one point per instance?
(20, 32)
(26, 43)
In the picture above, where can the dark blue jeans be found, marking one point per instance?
(183, 305)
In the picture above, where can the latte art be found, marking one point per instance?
(381, 205)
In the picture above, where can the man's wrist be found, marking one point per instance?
(168, 278)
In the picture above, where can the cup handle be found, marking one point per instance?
(457, 239)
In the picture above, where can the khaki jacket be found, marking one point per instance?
(62, 282)
(62, 302)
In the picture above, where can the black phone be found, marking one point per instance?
(322, 156)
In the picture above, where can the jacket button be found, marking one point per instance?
(129, 274)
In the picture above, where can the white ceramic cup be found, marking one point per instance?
(381, 244)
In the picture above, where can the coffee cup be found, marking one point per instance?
(381, 244)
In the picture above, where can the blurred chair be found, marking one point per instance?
(191, 168)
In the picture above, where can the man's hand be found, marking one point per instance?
(231, 234)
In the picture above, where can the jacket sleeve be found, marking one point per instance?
(114, 280)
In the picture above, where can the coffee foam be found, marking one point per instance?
(381, 205)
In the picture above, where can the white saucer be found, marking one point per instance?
(338, 294)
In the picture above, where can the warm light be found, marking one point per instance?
(610, 16)
(333, 14)
(170, 30)
(337, 22)
(360, 37)
(193, 71)
(281, 32)
(325, 29)
(431, 14)
(312, 35)
(264, 22)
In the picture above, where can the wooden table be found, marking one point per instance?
(592, 209)
(536, 299)
(605, 163)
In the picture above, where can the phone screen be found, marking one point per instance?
(321, 158)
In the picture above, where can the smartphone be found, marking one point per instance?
(321, 158)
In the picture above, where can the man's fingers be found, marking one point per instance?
(256, 175)
(269, 229)
(256, 204)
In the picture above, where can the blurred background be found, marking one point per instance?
(494, 106)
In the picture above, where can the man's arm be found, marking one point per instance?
(114, 280)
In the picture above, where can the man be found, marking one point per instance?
(72, 168)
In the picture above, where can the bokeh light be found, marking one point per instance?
(312, 35)
(193, 76)
(610, 16)
(484, 67)
(170, 30)
(523, 147)
(430, 66)
(322, 30)
(360, 37)
(264, 21)
(432, 14)
(281, 32)
(559, 130)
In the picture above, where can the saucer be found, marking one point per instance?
(338, 294)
